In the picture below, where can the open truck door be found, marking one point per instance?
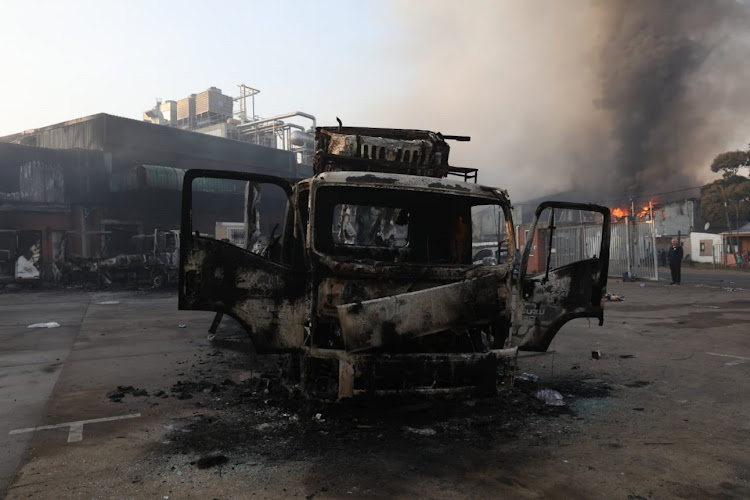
(239, 255)
(563, 273)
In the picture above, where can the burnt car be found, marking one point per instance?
(365, 272)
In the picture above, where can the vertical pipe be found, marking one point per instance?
(84, 236)
(627, 247)
(653, 240)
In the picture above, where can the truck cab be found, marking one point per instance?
(366, 272)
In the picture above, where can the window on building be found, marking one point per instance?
(706, 248)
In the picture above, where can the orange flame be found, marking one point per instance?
(619, 212)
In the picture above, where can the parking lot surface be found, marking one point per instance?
(655, 406)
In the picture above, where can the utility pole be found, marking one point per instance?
(729, 224)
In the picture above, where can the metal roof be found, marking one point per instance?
(745, 229)
(132, 142)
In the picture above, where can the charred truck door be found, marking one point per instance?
(563, 273)
(240, 255)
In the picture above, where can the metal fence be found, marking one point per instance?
(573, 243)
(632, 250)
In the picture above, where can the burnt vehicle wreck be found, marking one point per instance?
(368, 272)
(144, 260)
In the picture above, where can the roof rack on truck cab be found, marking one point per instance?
(397, 151)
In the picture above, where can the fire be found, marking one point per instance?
(640, 214)
(619, 212)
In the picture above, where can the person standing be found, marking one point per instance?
(674, 256)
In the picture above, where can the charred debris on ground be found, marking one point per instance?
(264, 414)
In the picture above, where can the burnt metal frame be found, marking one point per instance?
(604, 254)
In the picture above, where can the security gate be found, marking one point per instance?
(573, 243)
(632, 250)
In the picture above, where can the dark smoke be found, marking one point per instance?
(652, 65)
(605, 98)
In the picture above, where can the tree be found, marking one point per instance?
(729, 163)
(735, 191)
(727, 200)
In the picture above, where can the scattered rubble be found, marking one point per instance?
(260, 418)
(119, 393)
(210, 461)
(249, 421)
(421, 431)
(530, 377)
(550, 397)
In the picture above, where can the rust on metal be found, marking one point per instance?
(387, 277)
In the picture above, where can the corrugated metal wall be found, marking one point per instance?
(639, 237)
(42, 183)
(38, 183)
(83, 134)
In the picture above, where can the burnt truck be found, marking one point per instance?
(366, 272)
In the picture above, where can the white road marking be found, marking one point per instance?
(739, 359)
(76, 428)
(76, 433)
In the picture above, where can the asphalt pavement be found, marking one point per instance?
(31, 360)
(732, 278)
(675, 359)
(104, 340)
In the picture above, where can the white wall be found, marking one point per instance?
(712, 245)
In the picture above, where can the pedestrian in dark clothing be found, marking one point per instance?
(674, 256)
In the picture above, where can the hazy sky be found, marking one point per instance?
(520, 77)
(66, 59)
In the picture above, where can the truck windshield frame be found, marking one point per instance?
(402, 225)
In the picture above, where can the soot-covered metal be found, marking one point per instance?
(391, 278)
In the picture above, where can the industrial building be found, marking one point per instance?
(214, 113)
(87, 189)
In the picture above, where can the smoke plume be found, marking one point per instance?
(604, 98)
(664, 67)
